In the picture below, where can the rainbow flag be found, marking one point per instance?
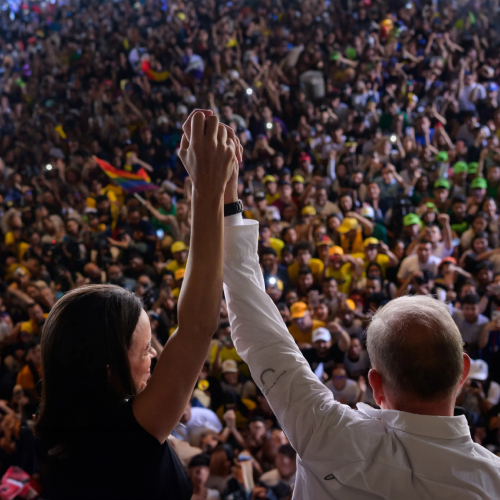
(129, 181)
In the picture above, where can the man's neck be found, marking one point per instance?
(441, 409)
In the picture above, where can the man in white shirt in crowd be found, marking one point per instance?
(423, 260)
(441, 240)
(411, 448)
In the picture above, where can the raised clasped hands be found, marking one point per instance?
(210, 151)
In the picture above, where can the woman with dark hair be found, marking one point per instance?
(103, 423)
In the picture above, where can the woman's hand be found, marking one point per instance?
(208, 156)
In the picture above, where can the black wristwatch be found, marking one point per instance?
(233, 208)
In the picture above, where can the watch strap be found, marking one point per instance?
(233, 208)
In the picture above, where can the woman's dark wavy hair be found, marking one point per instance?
(87, 331)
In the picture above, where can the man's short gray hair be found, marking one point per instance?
(416, 347)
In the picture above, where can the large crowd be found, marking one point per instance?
(371, 135)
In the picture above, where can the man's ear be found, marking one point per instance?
(376, 384)
(466, 369)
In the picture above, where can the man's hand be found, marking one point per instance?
(188, 125)
(206, 153)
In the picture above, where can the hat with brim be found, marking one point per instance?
(442, 156)
(308, 210)
(178, 246)
(473, 167)
(410, 219)
(321, 334)
(348, 224)
(298, 310)
(441, 183)
(229, 366)
(460, 167)
(478, 370)
(479, 183)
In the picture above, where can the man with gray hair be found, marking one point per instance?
(412, 447)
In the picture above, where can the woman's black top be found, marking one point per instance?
(123, 462)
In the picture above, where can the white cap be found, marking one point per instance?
(321, 334)
(368, 212)
(478, 369)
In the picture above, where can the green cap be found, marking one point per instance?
(460, 167)
(442, 156)
(441, 183)
(479, 183)
(473, 167)
(334, 56)
(431, 206)
(410, 219)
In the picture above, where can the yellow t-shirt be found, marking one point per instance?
(114, 191)
(343, 277)
(315, 265)
(382, 260)
(174, 266)
(18, 247)
(225, 354)
(357, 244)
(277, 245)
(301, 337)
(271, 198)
(29, 329)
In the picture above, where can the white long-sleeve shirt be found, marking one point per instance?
(343, 453)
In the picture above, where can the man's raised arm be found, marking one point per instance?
(295, 394)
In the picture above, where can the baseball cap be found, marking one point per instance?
(246, 192)
(442, 183)
(479, 183)
(298, 310)
(368, 212)
(336, 250)
(308, 210)
(179, 274)
(298, 178)
(304, 156)
(448, 259)
(442, 156)
(410, 219)
(370, 241)
(351, 304)
(321, 334)
(473, 167)
(431, 206)
(178, 246)
(259, 196)
(229, 366)
(492, 87)
(460, 167)
(348, 224)
(325, 240)
(268, 178)
(478, 369)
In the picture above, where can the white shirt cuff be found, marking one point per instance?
(233, 220)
